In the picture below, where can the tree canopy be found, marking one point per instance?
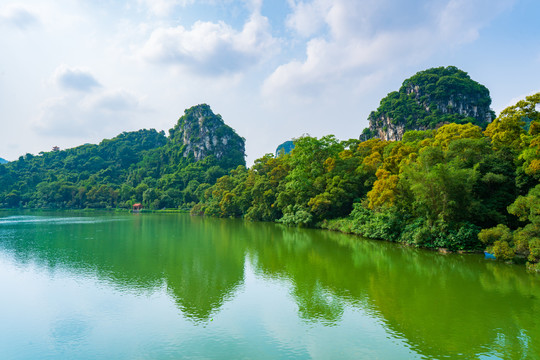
(143, 166)
(456, 187)
(430, 98)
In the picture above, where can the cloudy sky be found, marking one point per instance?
(79, 71)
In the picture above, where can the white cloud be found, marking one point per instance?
(370, 36)
(307, 18)
(212, 48)
(118, 100)
(75, 79)
(86, 114)
(164, 7)
(340, 57)
(18, 16)
(61, 117)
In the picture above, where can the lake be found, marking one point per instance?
(170, 286)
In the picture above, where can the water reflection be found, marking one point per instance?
(443, 306)
(200, 265)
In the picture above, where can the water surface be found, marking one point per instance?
(169, 286)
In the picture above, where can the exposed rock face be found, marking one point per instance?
(427, 100)
(384, 128)
(203, 133)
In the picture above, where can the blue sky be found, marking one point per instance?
(79, 71)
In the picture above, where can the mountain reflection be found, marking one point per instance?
(442, 306)
(200, 265)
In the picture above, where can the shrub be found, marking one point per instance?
(503, 251)
(499, 233)
(296, 215)
(534, 250)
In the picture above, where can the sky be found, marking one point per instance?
(79, 71)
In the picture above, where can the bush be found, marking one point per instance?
(499, 233)
(198, 209)
(533, 267)
(464, 238)
(384, 225)
(503, 251)
(342, 225)
(296, 216)
(534, 250)
(441, 235)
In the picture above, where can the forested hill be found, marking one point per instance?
(142, 166)
(457, 187)
(3, 161)
(200, 133)
(429, 99)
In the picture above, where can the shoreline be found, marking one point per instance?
(440, 250)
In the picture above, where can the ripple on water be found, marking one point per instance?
(46, 220)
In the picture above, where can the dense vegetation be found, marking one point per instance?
(143, 166)
(457, 187)
(430, 98)
(3, 161)
(460, 186)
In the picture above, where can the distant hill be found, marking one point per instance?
(428, 100)
(3, 161)
(203, 133)
(285, 148)
(144, 166)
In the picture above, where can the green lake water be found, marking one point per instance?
(170, 286)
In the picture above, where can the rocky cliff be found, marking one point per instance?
(428, 100)
(202, 133)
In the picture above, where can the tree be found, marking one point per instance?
(508, 128)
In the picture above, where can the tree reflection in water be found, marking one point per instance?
(442, 305)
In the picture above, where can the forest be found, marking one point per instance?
(458, 186)
(143, 166)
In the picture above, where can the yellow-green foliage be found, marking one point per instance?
(499, 233)
(507, 129)
(383, 191)
(373, 149)
(450, 132)
(434, 189)
(534, 250)
(524, 241)
(503, 250)
(531, 153)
